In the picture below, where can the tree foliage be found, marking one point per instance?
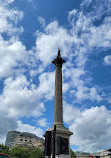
(4, 149)
(21, 152)
(37, 153)
(72, 154)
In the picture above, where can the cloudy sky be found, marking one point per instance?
(31, 31)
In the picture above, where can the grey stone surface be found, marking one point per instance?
(58, 105)
(60, 156)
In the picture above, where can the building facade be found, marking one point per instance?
(25, 139)
(82, 155)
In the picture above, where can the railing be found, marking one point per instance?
(2, 155)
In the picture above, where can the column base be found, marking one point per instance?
(61, 130)
(62, 156)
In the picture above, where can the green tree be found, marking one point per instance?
(19, 152)
(37, 153)
(4, 149)
(72, 154)
(14, 157)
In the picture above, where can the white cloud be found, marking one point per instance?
(101, 36)
(91, 127)
(86, 3)
(6, 2)
(9, 19)
(11, 55)
(107, 60)
(65, 87)
(84, 92)
(109, 100)
(54, 37)
(97, 13)
(6, 124)
(12, 51)
(42, 122)
(19, 100)
(41, 21)
(77, 43)
(28, 128)
(78, 87)
(2, 139)
(70, 113)
(91, 30)
(90, 35)
(46, 86)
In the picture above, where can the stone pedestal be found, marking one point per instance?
(63, 132)
(62, 156)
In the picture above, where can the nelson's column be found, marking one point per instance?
(62, 133)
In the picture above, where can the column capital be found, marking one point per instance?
(58, 60)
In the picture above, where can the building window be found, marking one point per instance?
(30, 140)
(20, 139)
(26, 140)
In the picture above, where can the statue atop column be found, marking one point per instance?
(58, 60)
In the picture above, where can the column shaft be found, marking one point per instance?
(58, 107)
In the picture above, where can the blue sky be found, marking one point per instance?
(31, 32)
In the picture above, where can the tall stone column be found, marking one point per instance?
(58, 107)
(62, 133)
